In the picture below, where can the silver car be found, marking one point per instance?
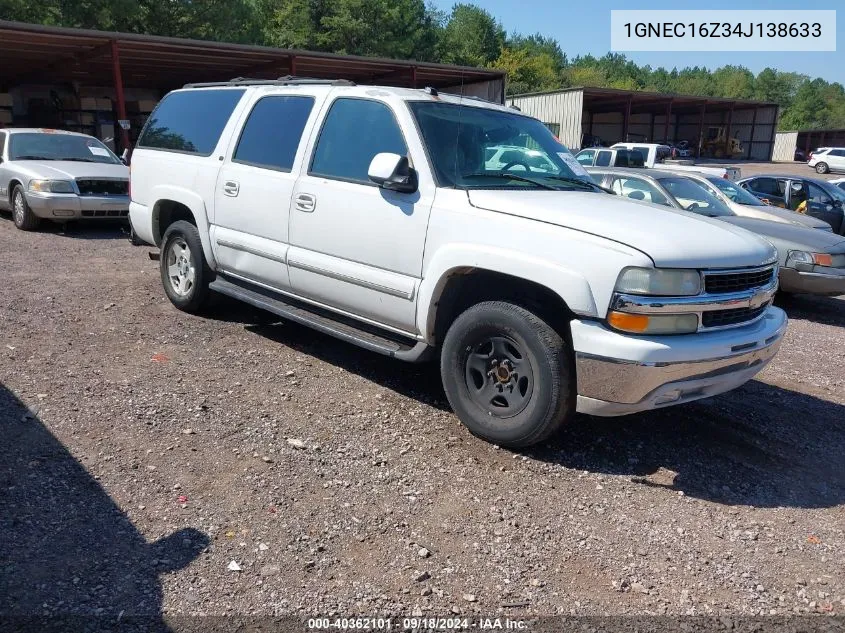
(811, 261)
(59, 176)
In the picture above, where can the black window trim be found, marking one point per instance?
(355, 181)
(232, 158)
(182, 151)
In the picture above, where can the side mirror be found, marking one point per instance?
(394, 172)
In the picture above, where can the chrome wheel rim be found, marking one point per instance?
(19, 208)
(181, 272)
(498, 376)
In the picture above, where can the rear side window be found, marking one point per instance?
(766, 185)
(190, 121)
(355, 130)
(272, 132)
(603, 159)
(585, 158)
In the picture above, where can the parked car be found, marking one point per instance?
(799, 155)
(539, 292)
(825, 201)
(810, 261)
(609, 157)
(516, 157)
(59, 176)
(827, 159)
(744, 204)
(656, 155)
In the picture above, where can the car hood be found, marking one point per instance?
(70, 170)
(791, 235)
(790, 216)
(672, 238)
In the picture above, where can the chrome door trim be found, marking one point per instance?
(251, 251)
(395, 292)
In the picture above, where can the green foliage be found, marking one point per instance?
(408, 29)
(471, 37)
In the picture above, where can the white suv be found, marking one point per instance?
(375, 215)
(827, 159)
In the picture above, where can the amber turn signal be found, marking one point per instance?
(628, 322)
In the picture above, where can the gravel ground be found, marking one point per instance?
(156, 462)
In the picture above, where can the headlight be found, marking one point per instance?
(808, 259)
(659, 282)
(653, 323)
(51, 186)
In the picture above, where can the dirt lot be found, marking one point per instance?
(145, 451)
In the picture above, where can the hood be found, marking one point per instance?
(790, 216)
(672, 238)
(791, 236)
(71, 170)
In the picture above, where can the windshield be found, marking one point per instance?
(480, 148)
(47, 146)
(736, 193)
(694, 197)
(835, 191)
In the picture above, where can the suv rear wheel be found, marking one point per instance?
(507, 374)
(184, 271)
(822, 168)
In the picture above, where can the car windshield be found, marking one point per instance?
(694, 197)
(481, 148)
(736, 193)
(49, 146)
(835, 192)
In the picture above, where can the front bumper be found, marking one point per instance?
(69, 206)
(620, 374)
(829, 282)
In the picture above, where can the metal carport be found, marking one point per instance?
(36, 54)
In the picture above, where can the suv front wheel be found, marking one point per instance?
(184, 271)
(822, 168)
(507, 374)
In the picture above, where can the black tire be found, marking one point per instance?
(822, 168)
(532, 410)
(183, 239)
(22, 215)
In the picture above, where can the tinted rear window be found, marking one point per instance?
(190, 121)
(272, 132)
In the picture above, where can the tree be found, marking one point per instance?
(527, 72)
(471, 37)
(808, 108)
(538, 44)
(735, 82)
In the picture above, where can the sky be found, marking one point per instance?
(583, 26)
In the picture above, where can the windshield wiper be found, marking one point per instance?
(510, 177)
(589, 186)
(82, 160)
(33, 157)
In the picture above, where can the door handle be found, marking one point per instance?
(305, 202)
(231, 188)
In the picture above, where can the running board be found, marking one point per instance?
(323, 321)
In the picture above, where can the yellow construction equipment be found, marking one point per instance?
(715, 144)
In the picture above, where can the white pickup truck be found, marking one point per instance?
(657, 155)
(387, 218)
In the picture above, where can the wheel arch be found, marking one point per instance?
(554, 293)
(172, 204)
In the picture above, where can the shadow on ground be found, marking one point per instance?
(827, 310)
(760, 445)
(70, 560)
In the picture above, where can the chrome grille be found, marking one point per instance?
(96, 187)
(737, 281)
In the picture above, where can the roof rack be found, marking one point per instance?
(287, 80)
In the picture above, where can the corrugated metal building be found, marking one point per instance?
(624, 115)
(806, 140)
